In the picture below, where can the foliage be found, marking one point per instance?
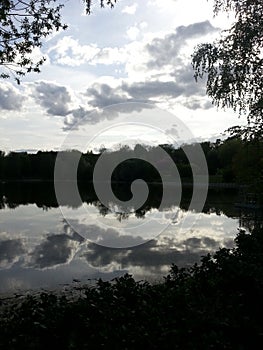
(233, 64)
(248, 162)
(234, 160)
(23, 26)
(89, 4)
(217, 304)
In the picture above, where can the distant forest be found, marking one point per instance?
(231, 160)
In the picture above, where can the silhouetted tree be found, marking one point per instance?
(233, 64)
(23, 26)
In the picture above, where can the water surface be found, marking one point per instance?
(40, 248)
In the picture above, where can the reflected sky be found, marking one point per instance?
(39, 248)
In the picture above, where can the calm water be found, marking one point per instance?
(40, 248)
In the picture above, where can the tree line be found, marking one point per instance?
(231, 160)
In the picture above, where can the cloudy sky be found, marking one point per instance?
(135, 56)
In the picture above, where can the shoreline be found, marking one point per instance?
(232, 185)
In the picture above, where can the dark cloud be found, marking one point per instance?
(55, 250)
(54, 98)
(197, 104)
(146, 92)
(11, 249)
(183, 86)
(194, 243)
(103, 95)
(195, 30)
(10, 98)
(106, 237)
(107, 103)
(151, 255)
(152, 89)
(104, 103)
(79, 116)
(82, 116)
(184, 77)
(165, 51)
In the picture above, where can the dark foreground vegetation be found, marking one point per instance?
(215, 305)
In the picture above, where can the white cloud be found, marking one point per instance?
(133, 32)
(10, 97)
(130, 10)
(157, 72)
(136, 31)
(69, 52)
(111, 55)
(144, 47)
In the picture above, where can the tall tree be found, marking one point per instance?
(23, 26)
(233, 64)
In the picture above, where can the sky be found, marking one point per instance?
(135, 57)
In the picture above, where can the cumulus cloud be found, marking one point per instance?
(128, 97)
(197, 104)
(130, 10)
(175, 83)
(10, 251)
(69, 52)
(10, 97)
(56, 249)
(103, 236)
(83, 116)
(195, 243)
(133, 32)
(111, 55)
(152, 89)
(149, 255)
(152, 254)
(113, 238)
(165, 50)
(103, 95)
(100, 96)
(54, 98)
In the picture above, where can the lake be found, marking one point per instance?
(43, 245)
